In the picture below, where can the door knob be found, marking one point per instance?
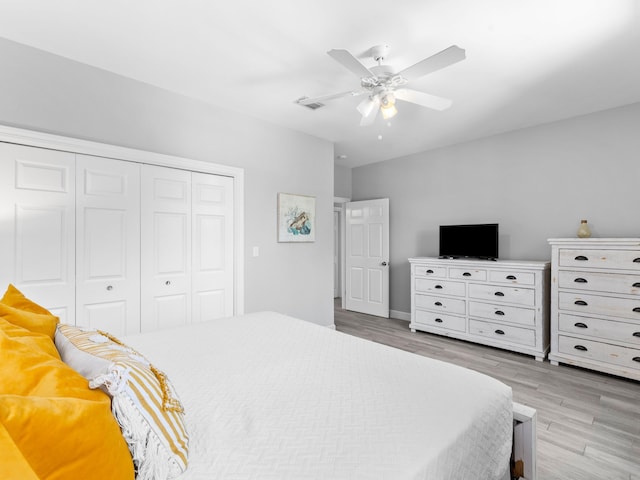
(384, 264)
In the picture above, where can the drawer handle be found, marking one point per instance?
(439, 287)
(637, 309)
(499, 294)
(581, 258)
(636, 260)
(511, 277)
(636, 334)
(581, 302)
(499, 332)
(636, 285)
(582, 348)
(499, 312)
(580, 325)
(429, 271)
(581, 280)
(438, 304)
(439, 320)
(636, 359)
(466, 274)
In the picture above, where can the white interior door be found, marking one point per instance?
(166, 247)
(108, 244)
(367, 257)
(37, 225)
(212, 257)
(337, 274)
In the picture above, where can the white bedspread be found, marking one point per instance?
(272, 397)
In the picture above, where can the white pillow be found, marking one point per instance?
(143, 401)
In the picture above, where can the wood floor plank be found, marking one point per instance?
(588, 422)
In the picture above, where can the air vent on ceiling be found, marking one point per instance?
(312, 106)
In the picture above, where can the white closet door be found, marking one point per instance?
(212, 220)
(108, 244)
(37, 215)
(166, 247)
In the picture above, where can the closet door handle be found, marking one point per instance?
(168, 282)
(466, 274)
(439, 287)
(580, 325)
(499, 294)
(499, 312)
(582, 348)
(438, 320)
(581, 258)
(499, 332)
(581, 280)
(581, 303)
(438, 304)
(511, 277)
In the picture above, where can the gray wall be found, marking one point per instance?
(44, 92)
(537, 183)
(342, 182)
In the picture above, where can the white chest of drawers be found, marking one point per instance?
(504, 304)
(595, 304)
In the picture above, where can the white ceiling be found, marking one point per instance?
(528, 61)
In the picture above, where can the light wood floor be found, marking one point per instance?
(588, 422)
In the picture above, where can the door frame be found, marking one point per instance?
(339, 206)
(73, 145)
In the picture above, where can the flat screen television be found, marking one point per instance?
(469, 241)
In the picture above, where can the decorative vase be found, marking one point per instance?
(584, 231)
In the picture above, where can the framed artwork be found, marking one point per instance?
(296, 218)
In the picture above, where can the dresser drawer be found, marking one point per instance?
(600, 328)
(434, 285)
(618, 259)
(504, 333)
(503, 313)
(601, 282)
(512, 277)
(441, 304)
(599, 351)
(495, 293)
(468, 273)
(439, 320)
(430, 271)
(599, 304)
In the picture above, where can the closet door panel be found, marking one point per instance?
(37, 223)
(166, 247)
(212, 213)
(108, 244)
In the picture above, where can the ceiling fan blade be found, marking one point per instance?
(350, 62)
(369, 109)
(324, 98)
(422, 99)
(443, 59)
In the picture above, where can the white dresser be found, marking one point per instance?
(501, 303)
(595, 304)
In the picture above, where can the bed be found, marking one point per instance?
(270, 396)
(261, 395)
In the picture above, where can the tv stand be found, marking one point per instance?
(501, 303)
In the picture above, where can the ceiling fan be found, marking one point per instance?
(383, 85)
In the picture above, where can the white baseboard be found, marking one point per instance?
(406, 316)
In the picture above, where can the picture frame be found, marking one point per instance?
(296, 218)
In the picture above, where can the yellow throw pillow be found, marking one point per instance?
(142, 399)
(35, 322)
(14, 298)
(58, 425)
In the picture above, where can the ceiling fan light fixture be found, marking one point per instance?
(366, 106)
(388, 106)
